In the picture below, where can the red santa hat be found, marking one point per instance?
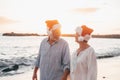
(84, 33)
(52, 24)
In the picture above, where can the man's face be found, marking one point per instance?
(56, 34)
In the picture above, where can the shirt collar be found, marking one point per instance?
(53, 42)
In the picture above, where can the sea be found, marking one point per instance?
(23, 50)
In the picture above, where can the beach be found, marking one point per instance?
(24, 50)
(108, 69)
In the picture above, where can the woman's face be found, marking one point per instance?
(76, 37)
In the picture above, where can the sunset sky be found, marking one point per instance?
(28, 16)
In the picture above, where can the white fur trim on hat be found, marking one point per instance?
(56, 26)
(79, 30)
(86, 38)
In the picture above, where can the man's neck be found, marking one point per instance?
(51, 41)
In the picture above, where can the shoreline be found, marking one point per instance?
(108, 69)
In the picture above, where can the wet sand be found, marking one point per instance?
(108, 69)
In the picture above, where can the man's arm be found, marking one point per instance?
(65, 75)
(66, 62)
(35, 74)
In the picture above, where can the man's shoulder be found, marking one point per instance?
(44, 40)
(63, 40)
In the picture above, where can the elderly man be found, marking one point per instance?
(54, 58)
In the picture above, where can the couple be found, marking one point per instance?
(54, 56)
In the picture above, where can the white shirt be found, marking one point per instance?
(84, 66)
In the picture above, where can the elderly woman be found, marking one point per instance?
(83, 60)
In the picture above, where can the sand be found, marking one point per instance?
(108, 69)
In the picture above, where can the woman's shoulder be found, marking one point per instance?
(73, 54)
(91, 50)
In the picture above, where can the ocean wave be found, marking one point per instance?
(23, 63)
(27, 63)
(108, 53)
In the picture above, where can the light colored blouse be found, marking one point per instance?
(84, 66)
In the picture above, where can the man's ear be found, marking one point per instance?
(49, 32)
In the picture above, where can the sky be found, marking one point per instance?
(29, 16)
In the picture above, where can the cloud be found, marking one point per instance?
(85, 10)
(4, 20)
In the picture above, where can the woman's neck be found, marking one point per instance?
(83, 45)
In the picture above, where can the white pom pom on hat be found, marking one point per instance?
(79, 30)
